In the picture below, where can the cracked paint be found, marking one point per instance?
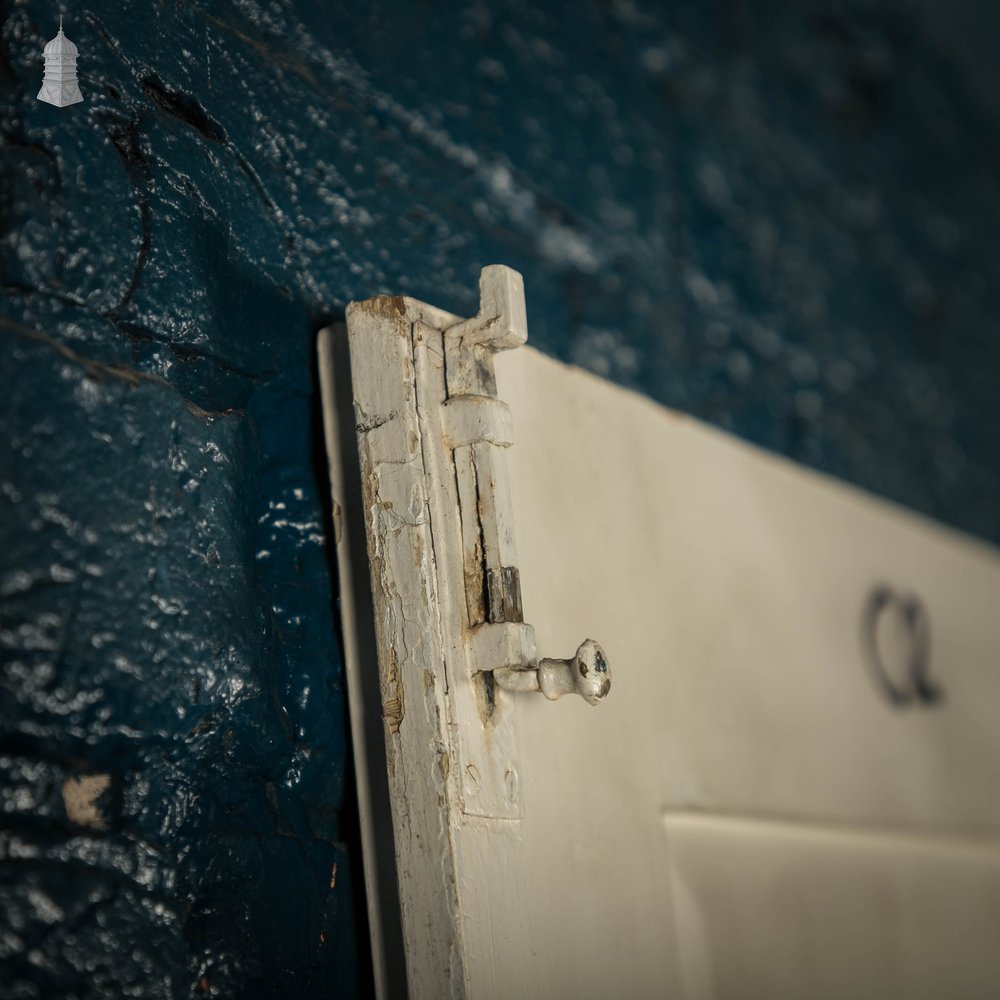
(779, 221)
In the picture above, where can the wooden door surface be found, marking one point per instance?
(790, 790)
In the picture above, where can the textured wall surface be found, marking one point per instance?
(779, 217)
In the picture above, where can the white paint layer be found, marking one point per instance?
(749, 759)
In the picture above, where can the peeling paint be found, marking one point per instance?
(781, 221)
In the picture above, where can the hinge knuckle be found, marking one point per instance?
(503, 645)
(472, 419)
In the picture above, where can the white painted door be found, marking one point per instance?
(791, 789)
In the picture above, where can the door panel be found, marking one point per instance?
(790, 788)
(729, 586)
(776, 910)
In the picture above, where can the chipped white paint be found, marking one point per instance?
(446, 595)
(751, 813)
(410, 648)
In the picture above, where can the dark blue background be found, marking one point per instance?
(780, 218)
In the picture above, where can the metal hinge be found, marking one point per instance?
(455, 654)
(477, 428)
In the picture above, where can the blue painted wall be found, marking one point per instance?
(780, 218)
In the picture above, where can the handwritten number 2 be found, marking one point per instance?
(915, 684)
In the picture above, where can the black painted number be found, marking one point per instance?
(904, 679)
